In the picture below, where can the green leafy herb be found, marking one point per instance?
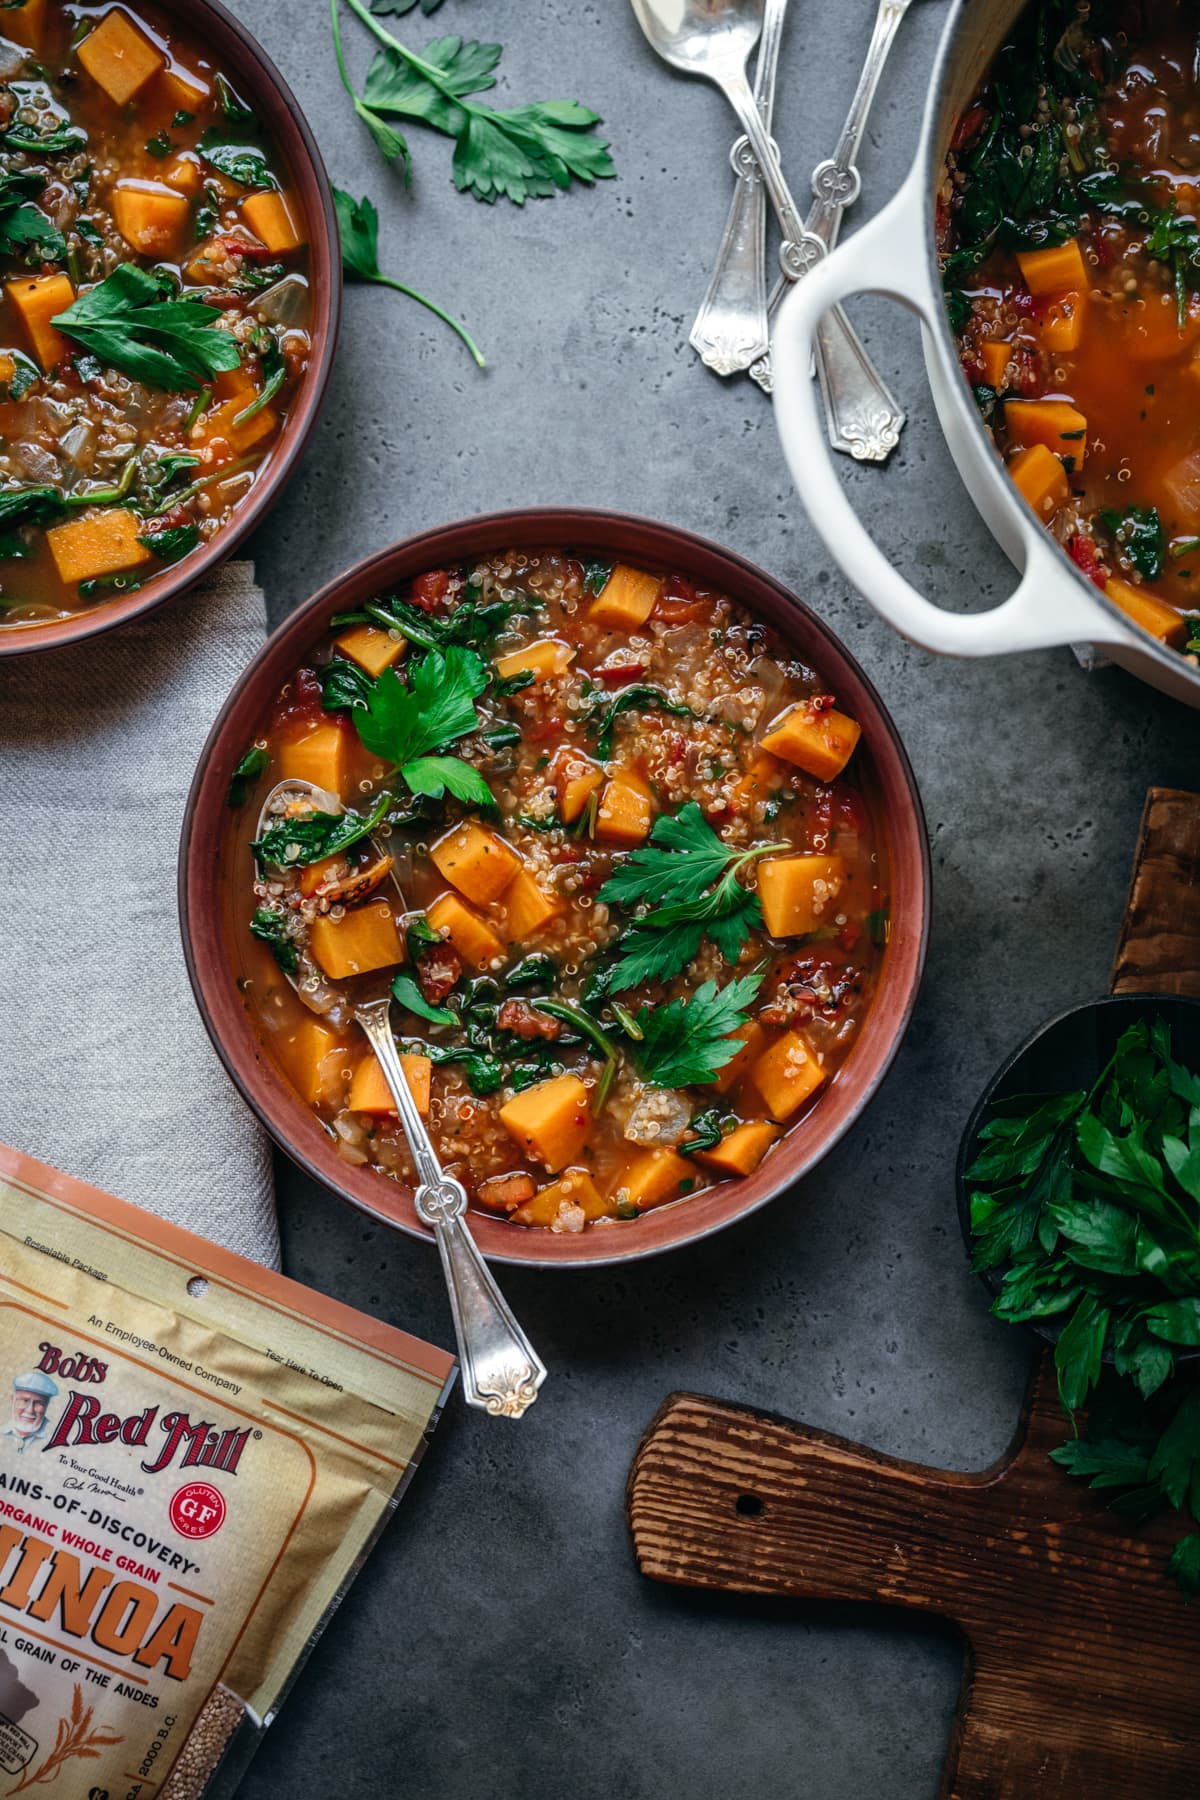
(419, 934)
(66, 140)
(640, 697)
(159, 145)
(1139, 536)
(255, 763)
(687, 878)
(23, 379)
(28, 506)
(406, 991)
(706, 1132)
(686, 1043)
(483, 1068)
(505, 685)
(238, 161)
(274, 374)
(158, 479)
(271, 927)
(294, 843)
(595, 576)
(1090, 1203)
(108, 584)
(23, 227)
(401, 7)
(406, 725)
(358, 227)
(519, 152)
(130, 324)
(233, 109)
(173, 544)
(344, 684)
(471, 624)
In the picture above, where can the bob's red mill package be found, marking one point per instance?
(195, 1457)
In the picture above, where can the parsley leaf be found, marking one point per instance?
(358, 228)
(688, 1042)
(129, 323)
(688, 878)
(407, 724)
(516, 153)
(438, 775)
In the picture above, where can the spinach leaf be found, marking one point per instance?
(271, 927)
(253, 764)
(173, 544)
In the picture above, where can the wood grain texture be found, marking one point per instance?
(1082, 1671)
(1158, 949)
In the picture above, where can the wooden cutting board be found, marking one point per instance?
(1081, 1676)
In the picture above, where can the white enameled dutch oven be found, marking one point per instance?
(896, 255)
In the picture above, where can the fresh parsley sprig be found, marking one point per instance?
(131, 324)
(358, 228)
(518, 152)
(1090, 1202)
(687, 1042)
(407, 724)
(687, 879)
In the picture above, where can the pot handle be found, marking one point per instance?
(888, 256)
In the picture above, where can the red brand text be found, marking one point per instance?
(76, 1367)
(173, 1438)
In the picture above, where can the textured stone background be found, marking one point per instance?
(501, 1645)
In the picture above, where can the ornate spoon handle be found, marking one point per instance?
(731, 328)
(501, 1370)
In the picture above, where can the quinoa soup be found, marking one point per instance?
(608, 842)
(154, 326)
(1070, 247)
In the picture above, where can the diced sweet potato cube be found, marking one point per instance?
(235, 384)
(576, 779)
(1152, 614)
(1061, 327)
(549, 1122)
(219, 436)
(315, 1056)
(765, 775)
(119, 57)
(475, 861)
(179, 90)
(1058, 270)
(752, 1039)
(741, 1152)
(528, 908)
(504, 1193)
(787, 1073)
(183, 174)
(573, 1189)
(626, 809)
(372, 649)
(1055, 423)
(626, 600)
(1041, 479)
(819, 740)
(149, 215)
(320, 756)
(312, 875)
(104, 544)
(24, 24)
(363, 939)
(471, 936)
(273, 221)
(653, 1177)
(370, 1093)
(994, 359)
(39, 299)
(799, 893)
(545, 657)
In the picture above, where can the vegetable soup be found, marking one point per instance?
(1071, 259)
(613, 850)
(153, 329)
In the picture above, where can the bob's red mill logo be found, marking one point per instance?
(175, 1438)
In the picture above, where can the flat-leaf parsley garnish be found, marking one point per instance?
(409, 724)
(685, 1043)
(128, 321)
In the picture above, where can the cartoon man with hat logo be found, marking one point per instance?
(31, 1396)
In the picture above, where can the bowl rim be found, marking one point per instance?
(273, 1099)
(1046, 1332)
(221, 33)
(930, 161)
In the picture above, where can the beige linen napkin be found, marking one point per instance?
(105, 1067)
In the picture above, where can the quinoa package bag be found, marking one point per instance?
(196, 1455)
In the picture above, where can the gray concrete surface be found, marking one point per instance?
(500, 1645)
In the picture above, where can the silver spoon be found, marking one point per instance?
(501, 1370)
(713, 39)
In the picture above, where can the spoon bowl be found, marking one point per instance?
(702, 37)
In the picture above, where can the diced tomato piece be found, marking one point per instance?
(545, 728)
(621, 675)
(302, 703)
(1084, 554)
(237, 246)
(430, 589)
(677, 749)
(969, 126)
(849, 935)
(1025, 372)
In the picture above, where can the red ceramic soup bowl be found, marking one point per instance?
(230, 46)
(211, 915)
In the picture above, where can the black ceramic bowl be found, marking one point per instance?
(1068, 1053)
